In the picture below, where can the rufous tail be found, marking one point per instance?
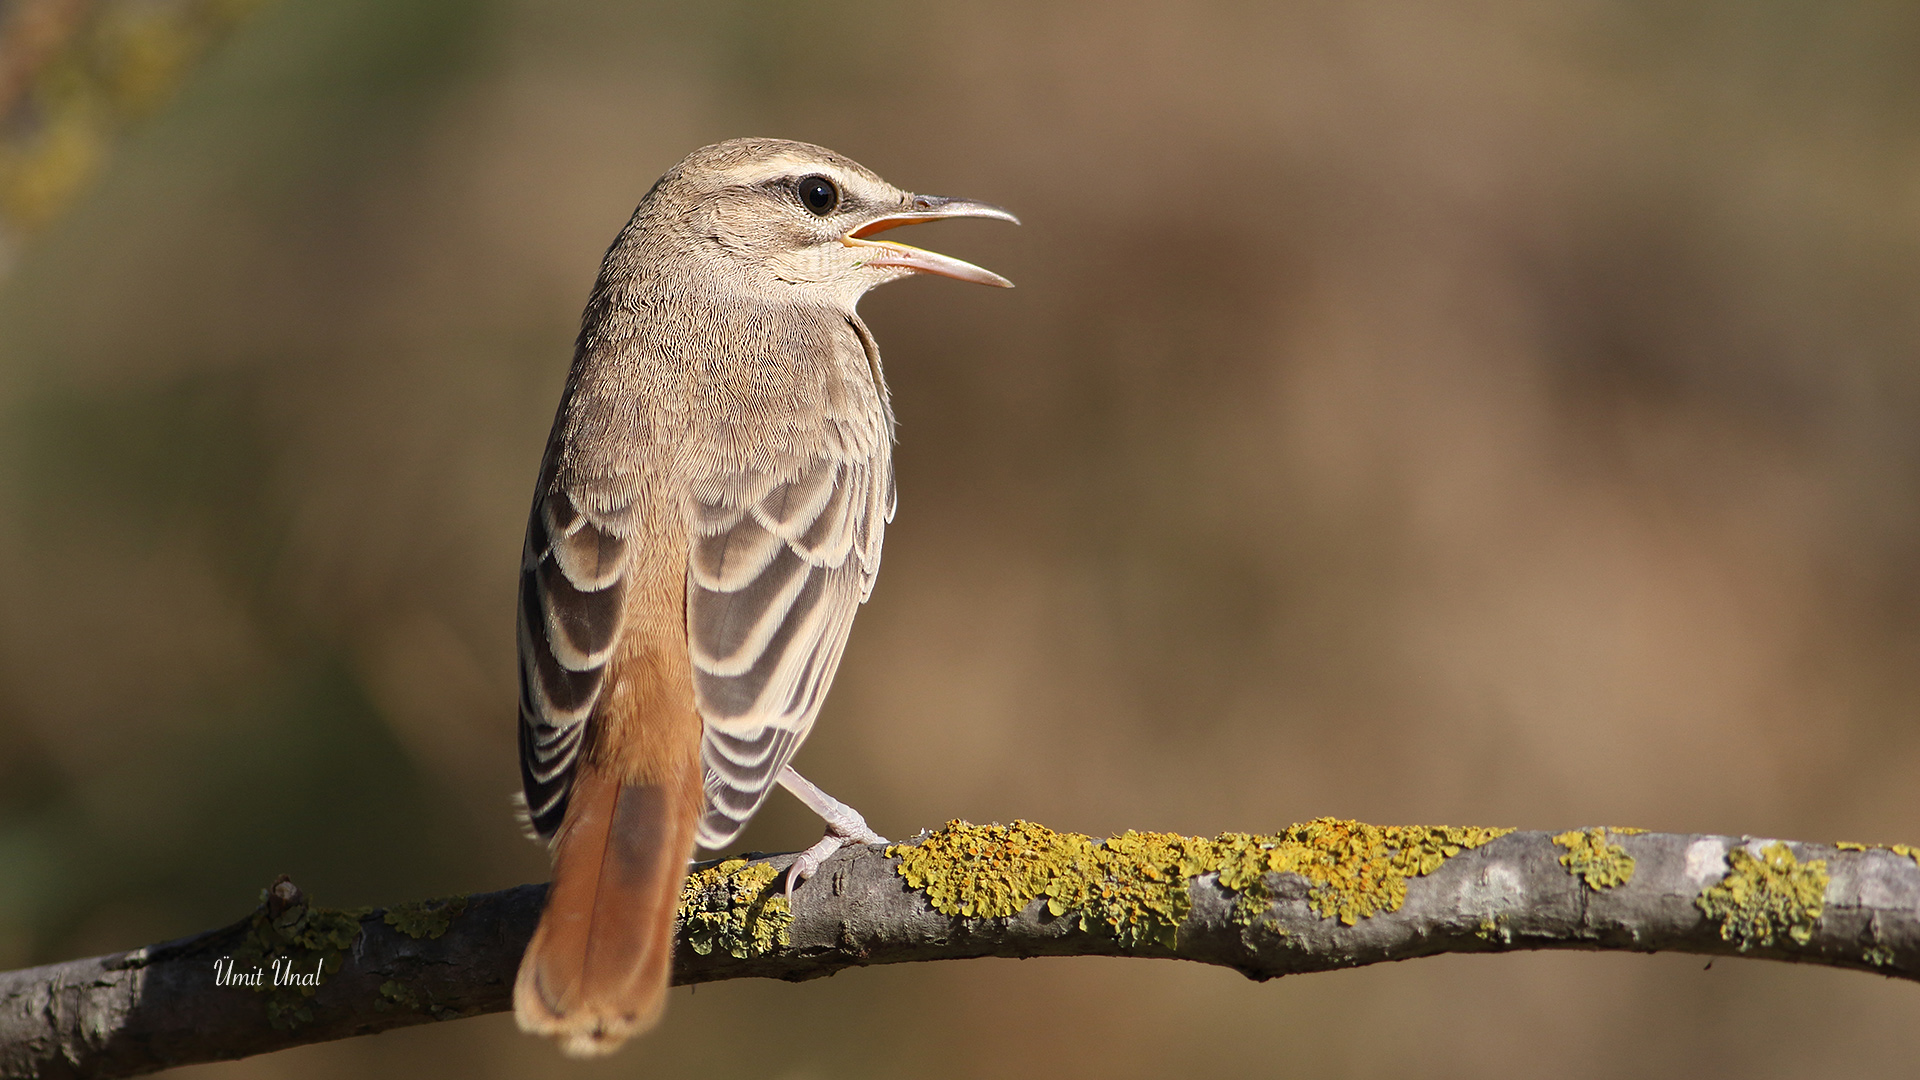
(595, 973)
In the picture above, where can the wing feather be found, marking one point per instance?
(730, 632)
(572, 583)
(728, 561)
(766, 632)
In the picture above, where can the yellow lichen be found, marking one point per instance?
(1134, 885)
(426, 918)
(732, 906)
(394, 995)
(1594, 860)
(987, 871)
(1763, 898)
(1356, 869)
(296, 939)
(1906, 850)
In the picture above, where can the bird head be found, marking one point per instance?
(791, 213)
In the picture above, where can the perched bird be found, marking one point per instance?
(707, 520)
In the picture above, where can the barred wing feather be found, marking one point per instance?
(571, 588)
(780, 561)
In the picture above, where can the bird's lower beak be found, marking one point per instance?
(906, 256)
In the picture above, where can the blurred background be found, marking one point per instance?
(1491, 413)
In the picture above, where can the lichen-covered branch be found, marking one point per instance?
(1323, 895)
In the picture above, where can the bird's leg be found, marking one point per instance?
(844, 826)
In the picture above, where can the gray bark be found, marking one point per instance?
(152, 1008)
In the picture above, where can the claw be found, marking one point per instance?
(803, 868)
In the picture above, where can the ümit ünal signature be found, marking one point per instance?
(280, 972)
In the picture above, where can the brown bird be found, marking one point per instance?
(707, 520)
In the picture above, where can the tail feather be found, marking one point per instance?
(596, 971)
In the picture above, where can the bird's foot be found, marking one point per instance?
(809, 861)
(844, 826)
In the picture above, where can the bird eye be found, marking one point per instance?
(818, 194)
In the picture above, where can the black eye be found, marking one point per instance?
(818, 194)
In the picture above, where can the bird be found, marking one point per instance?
(707, 520)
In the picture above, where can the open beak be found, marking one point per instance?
(928, 208)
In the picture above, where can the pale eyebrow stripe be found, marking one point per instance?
(787, 166)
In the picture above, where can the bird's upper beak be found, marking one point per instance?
(928, 208)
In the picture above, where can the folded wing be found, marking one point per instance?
(571, 589)
(781, 558)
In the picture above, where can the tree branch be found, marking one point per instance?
(1301, 904)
